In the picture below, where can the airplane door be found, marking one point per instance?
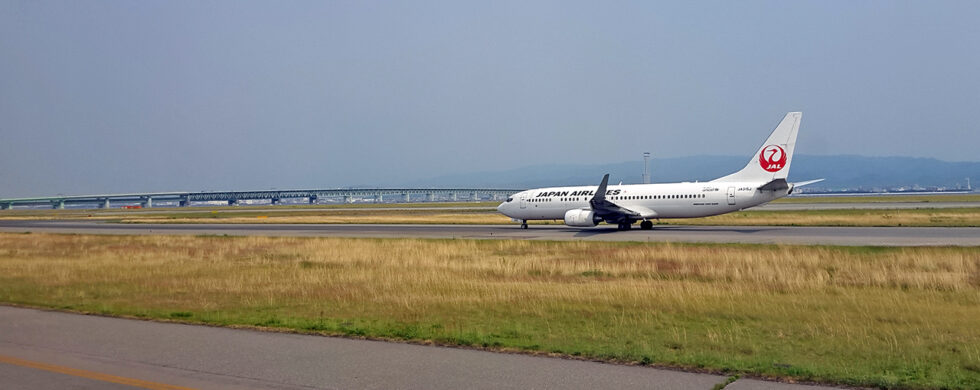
(731, 195)
(523, 203)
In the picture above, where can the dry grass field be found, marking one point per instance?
(954, 217)
(341, 217)
(882, 317)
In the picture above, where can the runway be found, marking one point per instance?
(43, 349)
(885, 236)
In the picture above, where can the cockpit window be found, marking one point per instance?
(509, 199)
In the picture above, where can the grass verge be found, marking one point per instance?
(866, 316)
(952, 217)
(882, 199)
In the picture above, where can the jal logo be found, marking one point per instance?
(772, 158)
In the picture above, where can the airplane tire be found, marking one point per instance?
(524, 225)
(646, 225)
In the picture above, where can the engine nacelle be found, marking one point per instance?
(581, 218)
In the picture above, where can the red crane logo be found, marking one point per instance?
(772, 158)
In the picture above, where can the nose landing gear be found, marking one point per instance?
(524, 224)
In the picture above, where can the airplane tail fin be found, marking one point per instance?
(772, 160)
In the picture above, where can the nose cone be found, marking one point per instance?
(502, 208)
(507, 208)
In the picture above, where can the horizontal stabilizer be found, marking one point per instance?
(775, 185)
(808, 182)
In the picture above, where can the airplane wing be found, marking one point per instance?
(607, 210)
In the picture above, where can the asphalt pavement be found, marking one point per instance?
(884, 236)
(46, 349)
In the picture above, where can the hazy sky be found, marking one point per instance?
(124, 96)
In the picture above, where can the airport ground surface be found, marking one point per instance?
(43, 349)
(884, 236)
(893, 211)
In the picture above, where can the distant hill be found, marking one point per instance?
(841, 172)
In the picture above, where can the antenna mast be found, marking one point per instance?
(646, 167)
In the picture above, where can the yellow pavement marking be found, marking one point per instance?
(89, 374)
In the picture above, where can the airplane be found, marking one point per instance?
(762, 180)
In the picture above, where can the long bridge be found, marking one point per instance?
(274, 197)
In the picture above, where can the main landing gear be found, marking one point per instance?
(524, 224)
(644, 225)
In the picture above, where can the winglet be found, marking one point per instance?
(600, 194)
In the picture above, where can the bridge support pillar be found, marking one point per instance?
(430, 197)
(58, 205)
(232, 202)
(105, 204)
(312, 199)
(274, 201)
(475, 196)
(5, 206)
(379, 198)
(408, 197)
(455, 198)
(348, 199)
(147, 202)
(183, 202)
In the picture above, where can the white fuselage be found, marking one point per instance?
(669, 200)
(763, 179)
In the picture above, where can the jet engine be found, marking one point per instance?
(581, 218)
